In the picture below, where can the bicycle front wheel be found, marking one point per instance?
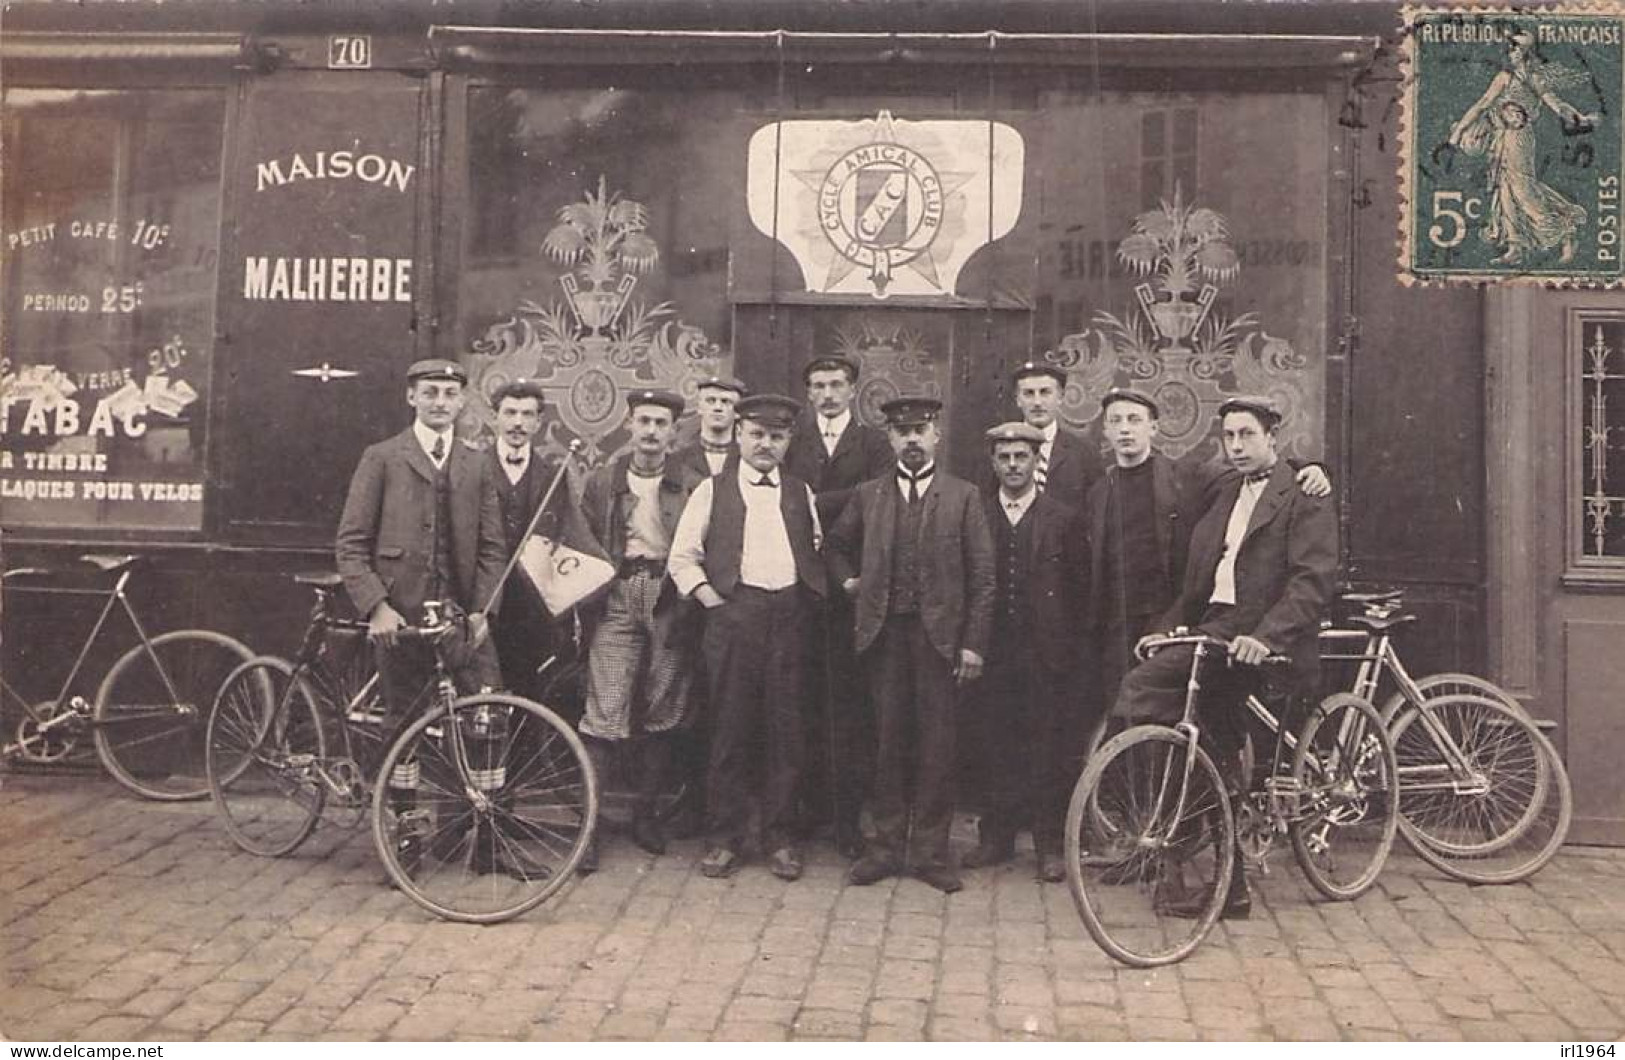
(1484, 797)
(1348, 800)
(152, 709)
(265, 747)
(1148, 854)
(483, 810)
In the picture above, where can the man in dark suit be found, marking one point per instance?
(422, 522)
(832, 451)
(747, 551)
(1262, 566)
(914, 550)
(707, 454)
(1029, 695)
(640, 667)
(1067, 464)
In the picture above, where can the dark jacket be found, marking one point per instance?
(1286, 569)
(692, 458)
(861, 453)
(605, 501)
(562, 521)
(956, 561)
(1053, 592)
(383, 548)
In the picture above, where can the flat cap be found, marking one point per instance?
(911, 411)
(723, 382)
(1139, 397)
(437, 368)
(1265, 408)
(1031, 368)
(770, 410)
(1015, 432)
(831, 362)
(663, 398)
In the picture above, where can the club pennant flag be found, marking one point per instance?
(564, 576)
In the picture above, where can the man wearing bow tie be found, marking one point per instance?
(833, 451)
(747, 549)
(913, 549)
(1262, 565)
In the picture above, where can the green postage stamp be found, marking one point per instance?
(1512, 167)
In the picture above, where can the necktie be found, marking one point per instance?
(1041, 472)
(913, 485)
(438, 452)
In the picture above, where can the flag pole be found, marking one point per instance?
(535, 517)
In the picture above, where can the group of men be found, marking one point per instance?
(805, 609)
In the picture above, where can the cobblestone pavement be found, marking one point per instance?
(122, 919)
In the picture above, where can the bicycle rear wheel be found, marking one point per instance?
(1496, 813)
(152, 709)
(483, 812)
(1135, 851)
(1434, 686)
(264, 746)
(1347, 794)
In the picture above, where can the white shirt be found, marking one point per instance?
(426, 438)
(832, 427)
(714, 459)
(923, 480)
(767, 562)
(514, 471)
(645, 533)
(1224, 579)
(1016, 507)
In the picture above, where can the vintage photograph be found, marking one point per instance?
(781, 520)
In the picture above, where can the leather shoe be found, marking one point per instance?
(941, 877)
(720, 863)
(871, 869)
(987, 853)
(648, 835)
(1051, 869)
(786, 864)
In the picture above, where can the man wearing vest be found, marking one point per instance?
(832, 451)
(640, 671)
(706, 455)
(1029, 695)
(914, 550)
(422, 522)
(747, 550)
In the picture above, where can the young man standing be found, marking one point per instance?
(914, 550)
(707, 454)
(747, 551)
(1067, 465)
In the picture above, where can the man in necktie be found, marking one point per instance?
(833, 451)
(747, 549)
(1262, 565)
(1028, 699)
(640, 667)
(1067, 464)
(422, 522)
(715, 398)
(914, 550)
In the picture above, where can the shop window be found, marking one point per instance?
(109, 227)
(1597, 481)
(1168, 153)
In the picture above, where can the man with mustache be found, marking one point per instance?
(913, 549)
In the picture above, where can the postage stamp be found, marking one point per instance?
(1511, 166)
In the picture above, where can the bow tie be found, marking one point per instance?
(765, 480)
(1257, 477)
(515, 460)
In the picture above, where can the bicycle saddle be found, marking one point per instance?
(107, 563)
(319, 579)
(1366, 599)
(1381, 622)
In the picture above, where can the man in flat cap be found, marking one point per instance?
(1262, 565)
(832, 451)
(640, 670)
(748, 550)
(422, 522)
(715, 398)
(1067, 464)
(1029, 695)
(913, 548)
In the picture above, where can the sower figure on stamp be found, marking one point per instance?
(1140, 516)
(833, 452)
(640, 668)
(914, 550)
(747, 551)
(421, 523)
(1067, 465)
(707, 454)
(1029, 695)
(1262, 565)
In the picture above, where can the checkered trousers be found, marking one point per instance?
(637, 683)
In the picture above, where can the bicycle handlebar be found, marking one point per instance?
(1150, 645)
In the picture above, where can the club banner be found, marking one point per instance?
(562, 575)
(884, 206)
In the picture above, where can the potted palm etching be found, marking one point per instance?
(1177, 246)
(605, 240)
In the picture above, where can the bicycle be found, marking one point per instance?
(1151, 821)
(487, 801)
(146, 718)
(1484, 797)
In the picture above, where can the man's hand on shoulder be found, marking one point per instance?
(1313, 481)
